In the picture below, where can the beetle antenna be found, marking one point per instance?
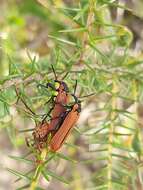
(92, 94)
(65, 75)
(75, 98)
(41, 85)
(47, 85)
(54, 72)
(75, 87)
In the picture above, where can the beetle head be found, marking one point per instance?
(62, 86)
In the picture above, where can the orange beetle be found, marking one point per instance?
(69, 121)
(42, 131)
(60, 102)
(59, 108)
(40, 135)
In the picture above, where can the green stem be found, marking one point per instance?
(89, 24)
(135, 96)
(111, 131)
(38, 170)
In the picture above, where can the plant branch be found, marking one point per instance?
(38, 170)
(19, 80)
(111, 132)
(89, 23)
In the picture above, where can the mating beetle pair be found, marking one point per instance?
(63, 118)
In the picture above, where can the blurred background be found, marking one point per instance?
(37, 33)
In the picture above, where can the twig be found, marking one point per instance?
(90, 21)
(38, 170)
(17, 81)
(111, 133)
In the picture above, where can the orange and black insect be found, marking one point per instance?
(69, 119)
(40, 135)
(40, 131)
(60, 102)
(62, 120)
(43, 129)
(68, 123)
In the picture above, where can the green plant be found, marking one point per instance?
(95, 51)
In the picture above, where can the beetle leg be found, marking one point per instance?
(47, 85)
(51, 99)
(23, 101)
(64, 105)
(47, 114)
(28, 142)
(51, 86)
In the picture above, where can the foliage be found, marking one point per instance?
(84, 39)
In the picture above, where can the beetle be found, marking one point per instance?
(40, 135)
(63, 121)
(69, 121)
(43, 129)
(40, 132)
(60, 102)
(59, 108)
